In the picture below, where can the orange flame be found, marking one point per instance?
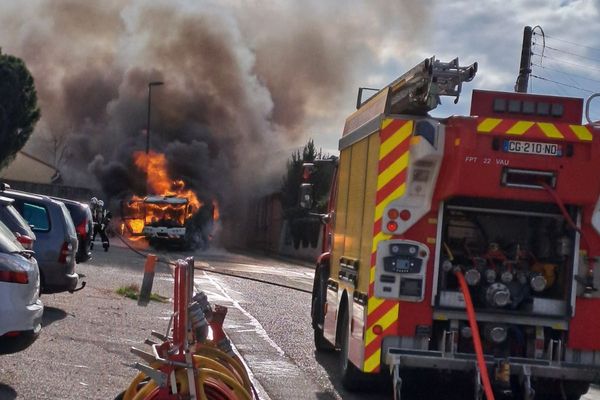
(140, 212)
(159, 182)
(216, 213)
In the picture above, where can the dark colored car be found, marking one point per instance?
(82, 219)
(56, 240)
(16, 223)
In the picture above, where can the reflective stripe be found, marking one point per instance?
(531, 129)
(397, 166)
(488, 124)
(550, 130)
(520, 128)
(373, 361)
(386, 122)
(385, 322)
(399, 192)
(582, 132)
(394, 141)
(391, 184)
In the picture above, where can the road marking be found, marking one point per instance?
(258, 328)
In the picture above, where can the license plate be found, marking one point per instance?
(537, 148)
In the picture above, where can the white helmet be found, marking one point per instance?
(94, 201)
(100, 203)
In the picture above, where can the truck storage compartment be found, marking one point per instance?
(517, 257)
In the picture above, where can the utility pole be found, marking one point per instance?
(150, 84)
(525, 68)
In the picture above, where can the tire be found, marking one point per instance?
(352, 378)
(322, 345)
(316, 312)
(551, 390)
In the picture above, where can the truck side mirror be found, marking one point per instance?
(306, 196)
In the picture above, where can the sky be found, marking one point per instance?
(249, 81)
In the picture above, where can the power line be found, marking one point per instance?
(586, 67)
(566, 73)
(573, 54)
(572, 43)
(560, 83)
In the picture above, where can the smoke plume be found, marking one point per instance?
(244, 82)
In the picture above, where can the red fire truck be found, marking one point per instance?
(464, 244)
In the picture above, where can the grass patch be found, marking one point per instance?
(133, 292)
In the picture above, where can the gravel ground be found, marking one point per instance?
(83, 350)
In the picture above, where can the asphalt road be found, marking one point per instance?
(83, 351)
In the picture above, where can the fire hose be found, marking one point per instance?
(485, 378)
(588, 280)
(212, 271)
(195, 359)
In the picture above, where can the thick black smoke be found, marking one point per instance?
(244, 83)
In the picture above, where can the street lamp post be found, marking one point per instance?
(155, 83)
(150, 84)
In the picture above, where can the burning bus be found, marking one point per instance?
(158, 218)
(174, 216)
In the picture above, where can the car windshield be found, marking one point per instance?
(8, 241)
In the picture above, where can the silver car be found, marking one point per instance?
(56, 239)
(20, 306)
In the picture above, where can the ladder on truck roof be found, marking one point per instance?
(418, 91)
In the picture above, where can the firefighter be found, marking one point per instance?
(93, 208)
(101, 217)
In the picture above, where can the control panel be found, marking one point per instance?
(400, 270)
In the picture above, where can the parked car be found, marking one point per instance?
(81, 214)
(16, 223)
(20, 306)
(56, 240)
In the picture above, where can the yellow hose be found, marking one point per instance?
(221, 367)
(234, 362)
(203, 375)
(132, 389)
(146, 390)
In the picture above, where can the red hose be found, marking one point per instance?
(569, 220)
(487, 386)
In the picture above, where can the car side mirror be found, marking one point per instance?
(326, 218)
(306, 196)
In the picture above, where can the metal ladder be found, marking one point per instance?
(419, 90)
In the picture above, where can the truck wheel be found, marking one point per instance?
(575, 389)
(318, 300)
(321, 344)
(352, 377)
(551, 390)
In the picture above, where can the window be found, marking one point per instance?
(557, 110)
(528, 107)
(543, 108)
(37, 216)
(8, 241)
(514, 106)
(499, 105)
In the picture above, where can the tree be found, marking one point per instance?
(19, 111)
(57, 146)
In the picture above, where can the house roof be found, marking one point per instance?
(28, 168)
